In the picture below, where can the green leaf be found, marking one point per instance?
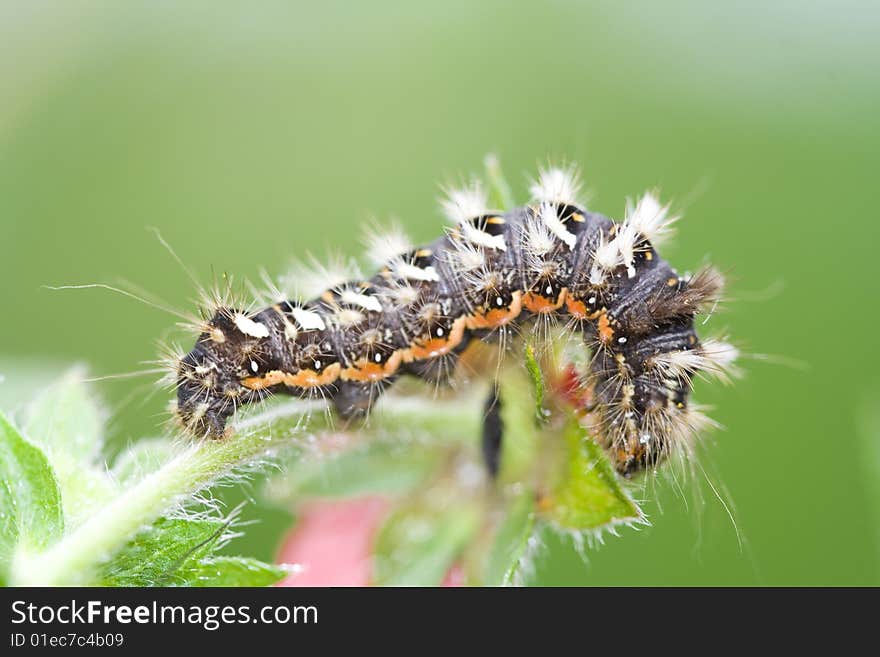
(404, 419)
(230, 571)
(511, 541)
(158, 555)
(537, 380)
(66, 422)
(65, 418)
(22, 379)
(179, 552)
(587, 494)
(418, 544)
(30, 503)
(379, 468)
(520, 448)
(140, 459)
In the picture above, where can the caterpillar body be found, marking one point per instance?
(491, 272)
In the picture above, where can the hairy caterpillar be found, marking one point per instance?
(491, 271)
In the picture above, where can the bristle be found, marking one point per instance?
(692, 295)
(689, 424)
(714, 357)
(625, 243)
(405, 269)
(465, 256)
(605, 258)
(309, 280)
(649, 218)
(400, 292)
(720, 359)
(218, 298)
(706, 286)
(482, 238)
(385, 245)
(344, 317)
(365, 301)
(464, 204)
(482, 279)
(550, 217)
(557, 185)
(269, 293)
(537, 236)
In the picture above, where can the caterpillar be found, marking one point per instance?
(492, 271)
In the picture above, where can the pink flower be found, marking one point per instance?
(332, 544)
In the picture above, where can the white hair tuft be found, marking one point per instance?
(557, 185)
(463, 204)
(383, 245)
(649, 218)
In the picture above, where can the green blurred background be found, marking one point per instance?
(250, 135)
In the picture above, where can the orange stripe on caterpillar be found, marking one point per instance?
(369, 371)
(606, 331)
(433, 347)
(489, 318)
(542, 304)
(302, 379)
(578, 308)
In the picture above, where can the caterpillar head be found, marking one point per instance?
(210, 378)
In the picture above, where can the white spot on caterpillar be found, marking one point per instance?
(556, 185)
(464, 204)
(551, 219)
(411, 272)
(308, 320)
(254, 367)
(362, 300)
(249, 327)
(473, 234)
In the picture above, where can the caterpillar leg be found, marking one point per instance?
(353, 399)
(493, 433)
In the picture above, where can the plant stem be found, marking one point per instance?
(73, 559)
(498, 185)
